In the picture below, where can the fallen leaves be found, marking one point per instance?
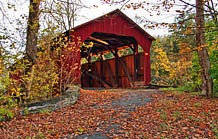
(167, 116)
(178, 116)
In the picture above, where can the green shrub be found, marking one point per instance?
(7, 105)
(5, 114)
(25, 111)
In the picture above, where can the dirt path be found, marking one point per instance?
(123, 106)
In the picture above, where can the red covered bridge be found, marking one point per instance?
(115, 52)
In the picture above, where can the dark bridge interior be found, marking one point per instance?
(119, 70)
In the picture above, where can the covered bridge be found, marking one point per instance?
(114, 50)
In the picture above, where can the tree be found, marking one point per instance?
(32, 30)
(62, 13)
(207, 82)
(32, 38)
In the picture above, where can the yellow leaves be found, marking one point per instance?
(41, 82)
(188, 31)
(89, 45)
(16, 92)
(166, 70)
(31, 8)
(36, 1)
(1, 67)
(199, 48)
(163, 61)
(65, 46)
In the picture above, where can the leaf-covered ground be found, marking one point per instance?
(134, 114)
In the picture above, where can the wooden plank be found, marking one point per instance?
(135, 61)
(89, 70)
(123, 63)
(98, 40)
(116, 64)
(109, 69)
(124, 47)
(116, 68)
(102, 68)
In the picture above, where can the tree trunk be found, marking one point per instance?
(32, 36)
(207, 82)
(32, 30)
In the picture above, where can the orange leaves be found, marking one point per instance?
(175, 117)
(169, 115)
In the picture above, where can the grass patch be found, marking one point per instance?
(194, 93)
(197, 104)
(178, 89)
(40, 135)
(214, 129)
(45, 111)
(163, 126)
(163, 115)
(80, 130)
(168, 89)
(177, 114)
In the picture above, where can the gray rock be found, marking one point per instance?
(69, 97)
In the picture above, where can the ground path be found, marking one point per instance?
(123, 106)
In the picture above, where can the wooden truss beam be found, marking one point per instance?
(98, 40)
(104, 83)
(125, 68)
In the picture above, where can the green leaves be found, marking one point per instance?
(5, 114)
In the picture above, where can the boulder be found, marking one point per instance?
(69, 97)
